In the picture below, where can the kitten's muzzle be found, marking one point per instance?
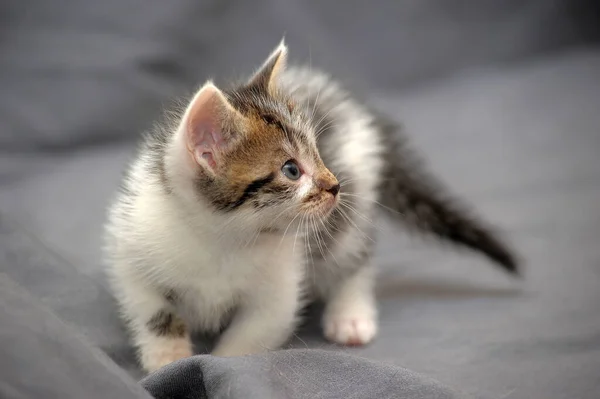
(324, 196)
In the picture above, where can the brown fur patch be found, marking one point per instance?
(165, 323)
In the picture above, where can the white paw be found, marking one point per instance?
(350, 330)
(163, 352)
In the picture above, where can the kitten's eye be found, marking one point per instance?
(272, 120)
(269, 119)
(291, 170)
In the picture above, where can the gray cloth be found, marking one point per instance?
(297, 373)
(501, 98)
(42, 357)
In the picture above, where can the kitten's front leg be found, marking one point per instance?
(267, 314)
(350, 316)
(159, 334)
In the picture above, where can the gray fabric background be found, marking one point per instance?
(501, 97)
(42, 357)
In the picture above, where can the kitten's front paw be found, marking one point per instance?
(350, 329)
(163, 352)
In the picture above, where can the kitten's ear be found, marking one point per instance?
(209, 126)
(267, 75)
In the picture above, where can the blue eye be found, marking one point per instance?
(291, 170)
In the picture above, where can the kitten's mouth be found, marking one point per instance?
(323, 206)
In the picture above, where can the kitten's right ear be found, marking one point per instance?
(209, 126)
(266, 77)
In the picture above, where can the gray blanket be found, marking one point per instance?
(500, 97)
(42, 357)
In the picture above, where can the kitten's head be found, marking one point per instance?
(251, 151)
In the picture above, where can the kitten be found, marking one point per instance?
(257, 197)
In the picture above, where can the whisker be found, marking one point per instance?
(297, 231)
(323, 128)
(325, 227)
(372, 200)
(332, 226)
(346, 181)
(332, 237)
(325, 116)
(286, 230)
(351, 208)
(307, 252)
(287, 209)
(255, 239)
(349, 219)
(321, 239)
(316, 235)
(314, 110)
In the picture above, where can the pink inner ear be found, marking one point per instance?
(206, 140)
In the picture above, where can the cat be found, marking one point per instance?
(254, 199)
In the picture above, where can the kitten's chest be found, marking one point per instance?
(213, 266)
(211, 269)
(215, 280)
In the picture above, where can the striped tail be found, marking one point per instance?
(417, 199)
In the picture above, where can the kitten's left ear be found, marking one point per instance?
(210, 126)
(266, 77)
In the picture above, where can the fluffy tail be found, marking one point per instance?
(417, 199)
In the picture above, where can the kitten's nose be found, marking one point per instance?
(331, 186)
(334, 189)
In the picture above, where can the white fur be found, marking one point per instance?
(159, 245)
